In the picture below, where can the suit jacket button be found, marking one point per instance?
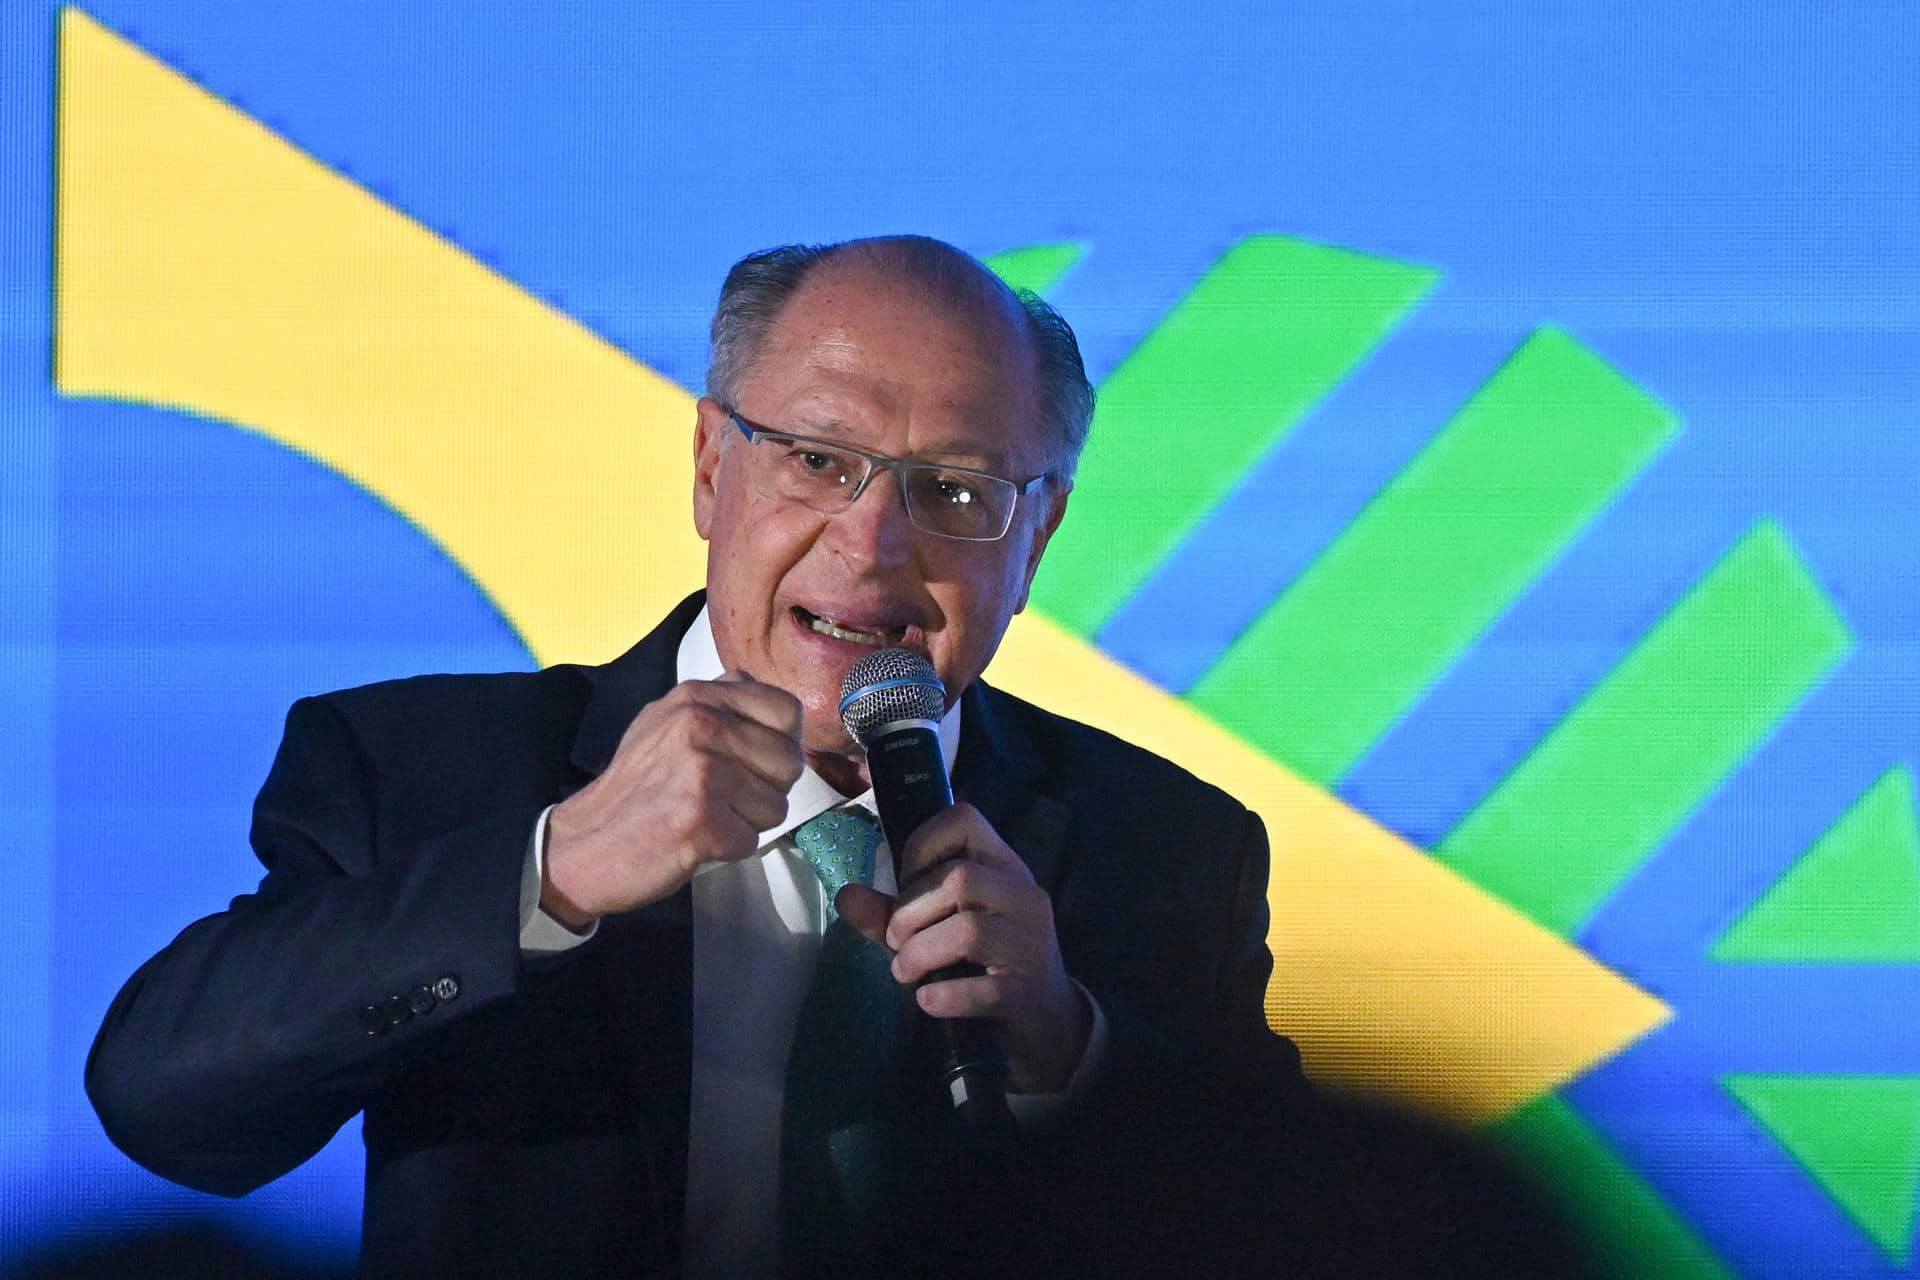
(421, 1000)
(396, 1010)
(446, 988)
(374, 1019)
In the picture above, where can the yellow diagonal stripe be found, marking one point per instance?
(1395, 975)
(205, 264)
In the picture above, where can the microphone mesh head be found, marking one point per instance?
(889, 685)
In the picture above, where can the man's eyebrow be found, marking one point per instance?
(832, 428)
(969, 458)
(968, 454)
(957, 453)
(803, 423)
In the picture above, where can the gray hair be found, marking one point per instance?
(760, 285)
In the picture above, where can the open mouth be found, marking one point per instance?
(876, 637)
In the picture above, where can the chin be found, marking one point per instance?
(820, 727)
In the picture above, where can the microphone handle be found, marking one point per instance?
(910, 786)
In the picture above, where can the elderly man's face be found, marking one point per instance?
(859, 358)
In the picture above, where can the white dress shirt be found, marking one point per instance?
(756, 937)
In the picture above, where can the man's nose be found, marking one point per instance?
(874, 529)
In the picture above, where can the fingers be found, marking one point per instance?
(761, 804)
(969, 899)
(739, 724)
(699, 773)
(865, 910)
(953, 886)
(980, 908)
(955, 862)
(966, 937)
(957, 832)
(730, 838)
(768, 704)
(976, 997)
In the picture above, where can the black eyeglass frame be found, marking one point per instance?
(878, 462)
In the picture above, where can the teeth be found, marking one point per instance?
(828, 627)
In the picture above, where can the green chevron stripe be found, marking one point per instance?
(1859, 1138)
(1628, 1229)
(1614, 779)
(1261, 338)
(1036, 267)
(1853, 898)
(1441, 553)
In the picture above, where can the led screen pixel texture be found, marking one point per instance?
(1504, 476)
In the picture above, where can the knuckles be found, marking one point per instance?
(702, 767)
(698, 723)
(962, 881)
(990, 997)
(968, 935)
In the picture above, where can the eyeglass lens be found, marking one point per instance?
(954, 504)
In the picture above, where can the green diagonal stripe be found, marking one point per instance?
(1620, 772)
(1858, 1136)
(1853, 898)
(1263, 336)
(1435, 558)
(1036, 267)
(1627, 1231)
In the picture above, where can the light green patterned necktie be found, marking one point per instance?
(840, 845)
(847, 1043)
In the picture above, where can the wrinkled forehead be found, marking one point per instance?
(863, 341)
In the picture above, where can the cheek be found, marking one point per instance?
(975, 604)
(737, 583)
(754, 547)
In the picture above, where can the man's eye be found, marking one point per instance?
(955, 493)
(816, 462)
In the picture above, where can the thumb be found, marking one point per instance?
(865, 910)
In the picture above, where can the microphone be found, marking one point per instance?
(891, 702)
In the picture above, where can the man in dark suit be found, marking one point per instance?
(546, 930)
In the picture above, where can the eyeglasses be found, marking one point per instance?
(826, 475)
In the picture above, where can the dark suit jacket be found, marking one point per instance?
(531, 1117)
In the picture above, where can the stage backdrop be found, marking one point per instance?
(1504, 478)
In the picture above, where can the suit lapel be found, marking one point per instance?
(998, 771)
(645, 957)
(628, 683)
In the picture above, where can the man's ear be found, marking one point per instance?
(1055, 514)
(710, 426)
